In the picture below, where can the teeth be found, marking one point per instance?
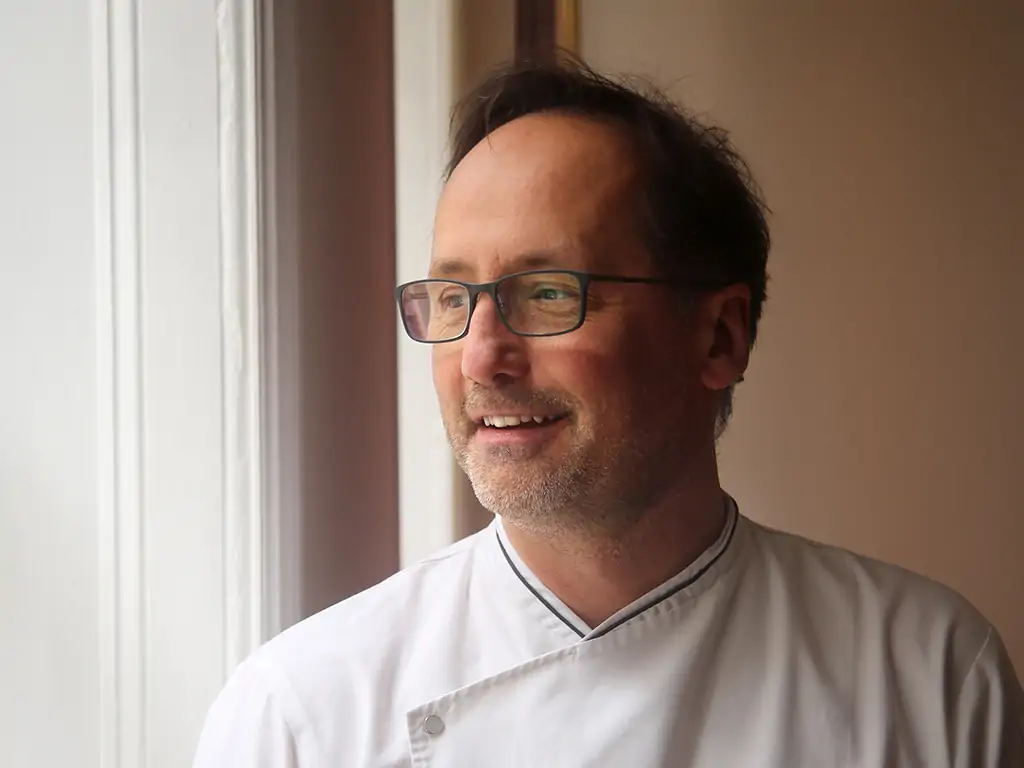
(513, 421)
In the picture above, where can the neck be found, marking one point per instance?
(597, 575)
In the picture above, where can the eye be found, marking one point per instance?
(452, 299)
(551, 293)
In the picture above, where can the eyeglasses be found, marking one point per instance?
(535, 303)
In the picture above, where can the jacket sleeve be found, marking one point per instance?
(989, 713)
(255, 722)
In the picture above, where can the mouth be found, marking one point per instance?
(526, 434)
(527, 421)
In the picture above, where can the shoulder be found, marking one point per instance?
(330, 677)
(904, 617)
(256, 721)
(847, 576)
(913, 652)
(371, 626)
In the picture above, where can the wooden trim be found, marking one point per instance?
(567, 25)
(545, 27)
(534, 31)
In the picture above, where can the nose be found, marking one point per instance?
(492, 355)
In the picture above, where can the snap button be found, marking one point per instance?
(433, 725)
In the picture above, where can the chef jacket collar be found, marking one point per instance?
(542, 599)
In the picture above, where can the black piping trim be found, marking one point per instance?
(675, 590)
(536, 594)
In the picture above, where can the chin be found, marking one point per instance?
(515, 467)
(523, 489)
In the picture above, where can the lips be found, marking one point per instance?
(525, 435)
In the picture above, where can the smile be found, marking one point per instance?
(502, 422)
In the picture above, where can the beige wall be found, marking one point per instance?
(882, 410)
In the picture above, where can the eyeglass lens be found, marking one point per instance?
(533, 304)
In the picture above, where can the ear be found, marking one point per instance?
(724, 336)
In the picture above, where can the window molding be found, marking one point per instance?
(242, 344)
(425, 49)
(183, 586)
(120, 554)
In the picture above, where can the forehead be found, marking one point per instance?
(543, 190)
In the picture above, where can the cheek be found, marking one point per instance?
(601, 378)
(634, 377)
(446, 370)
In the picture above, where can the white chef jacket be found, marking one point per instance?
(768, 651)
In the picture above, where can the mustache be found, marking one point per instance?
(512, 400)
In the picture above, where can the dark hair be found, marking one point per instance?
(703, 217)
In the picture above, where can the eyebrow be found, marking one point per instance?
(522, 262)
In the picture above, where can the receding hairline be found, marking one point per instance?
(614, 132)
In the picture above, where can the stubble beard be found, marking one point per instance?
(596, 487)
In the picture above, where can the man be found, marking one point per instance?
(597, 278)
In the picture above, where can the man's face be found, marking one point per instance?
(619, 399)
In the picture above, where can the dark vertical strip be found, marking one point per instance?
(535, 31)
(346, 261)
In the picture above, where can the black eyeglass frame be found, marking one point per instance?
(491, 289)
